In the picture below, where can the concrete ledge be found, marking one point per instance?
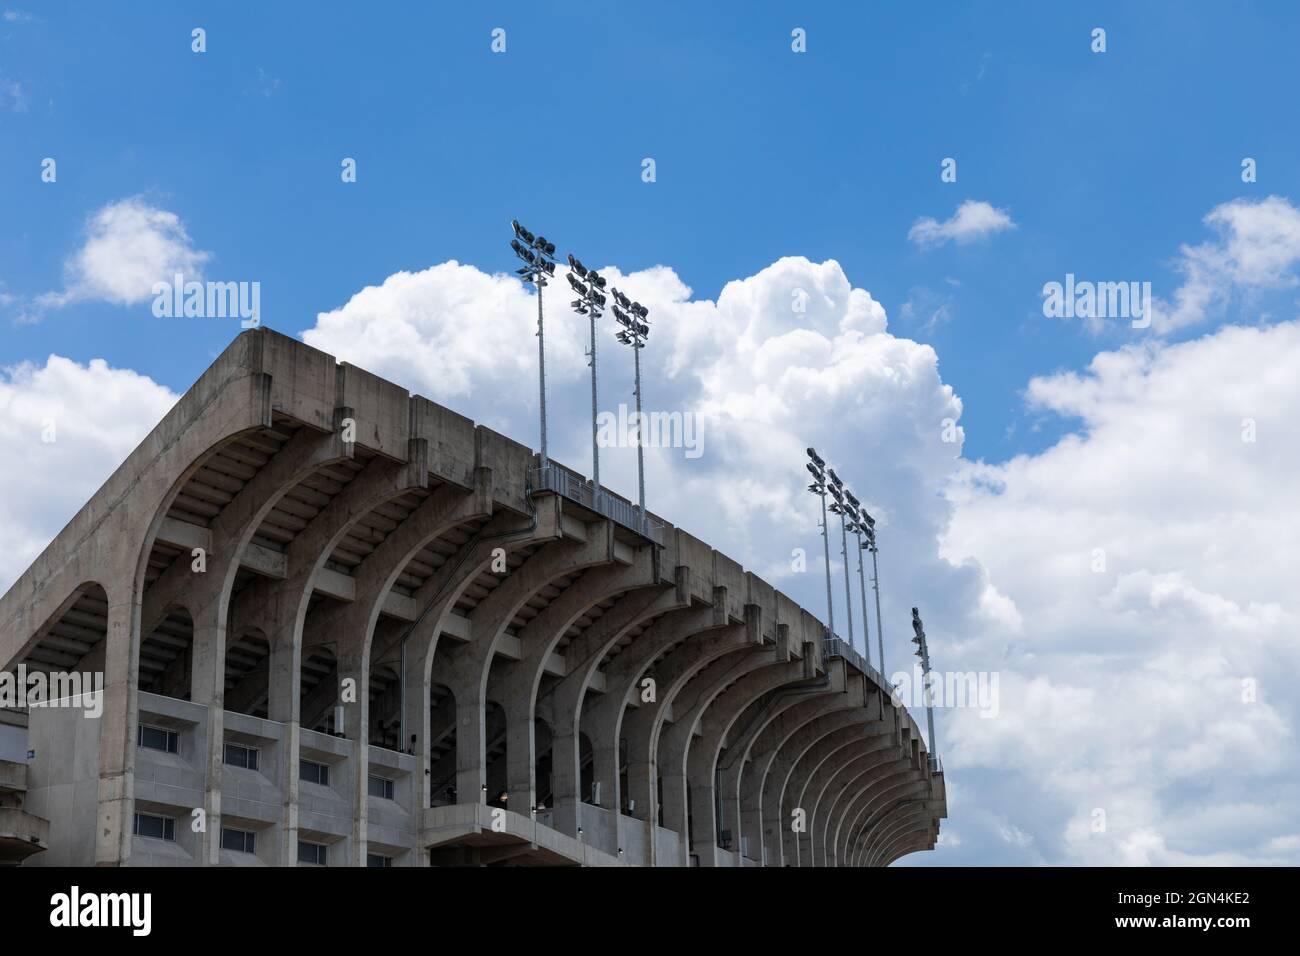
(473, 824)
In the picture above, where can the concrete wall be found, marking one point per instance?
(89, 771)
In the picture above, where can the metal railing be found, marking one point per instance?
(838, 647)
(569, 484)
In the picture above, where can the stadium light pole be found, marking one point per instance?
(870, 533)
(538, 257)
(634, 316)
(855, 527)
(923, 652)
(817, 468)
(590, 302)
(837, 492)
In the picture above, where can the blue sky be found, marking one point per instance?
(1105, 162)
(1120, 682)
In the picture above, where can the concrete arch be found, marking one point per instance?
(520, 680)
(470, 663)
(840, 793)
(740, 790)
(715, 723)
(856, 752)
(797, 846)
(603, 720)
(673, 742)
(877, 795)
(778, 840)
(909, 817)
(563, 701)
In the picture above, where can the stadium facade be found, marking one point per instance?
(335, 623)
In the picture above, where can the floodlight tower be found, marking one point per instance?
(633, 316)
(817, 468)
(837, 492)
(869, 532)
(923, 652)
(854, 508)
(538, 257)
(590, 302)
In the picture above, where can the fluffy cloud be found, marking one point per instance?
(1126, 691)
(1154, 689)
(129, 246)
(66, 427)
(1151, 557)
(973, 220)
(790, 357)
(1256, 249)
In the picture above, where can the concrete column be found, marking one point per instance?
(716, 723)
(113, 832)
(519, 681)
(759, 807)
(564, 700)
(755, 766)
(674, 743)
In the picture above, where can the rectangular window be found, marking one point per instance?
(242, 841)
(313, 854)
(381, 787)
(151, 825)
(378, 859)
(238, 755)
(314, 772)
(158, 738)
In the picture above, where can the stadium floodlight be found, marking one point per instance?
(841, 509)
(869, 539)
(591, 302)
(537, 255)
(633, 335)
(818, 487)
(923, 652)
(859, 528)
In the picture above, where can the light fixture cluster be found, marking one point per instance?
(537, 254)
(589, 285)
(854, 519)
(633, 317)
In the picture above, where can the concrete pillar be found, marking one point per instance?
(113, 832)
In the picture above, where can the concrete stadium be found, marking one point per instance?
(338, 624)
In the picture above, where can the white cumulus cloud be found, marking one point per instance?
(1255, 249)
(1150, 555)
(129, 245)
(973, 220)
(67, 427)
